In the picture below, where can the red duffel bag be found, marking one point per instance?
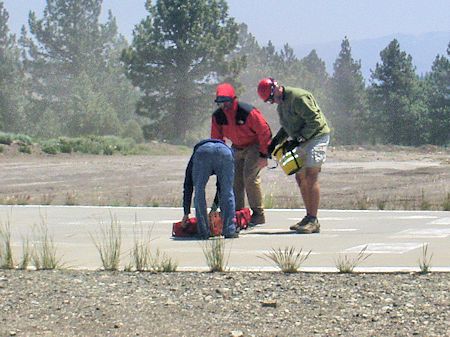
(190, 229)
(215, 223)
(243, 217)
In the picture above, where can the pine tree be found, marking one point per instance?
(248, 50)
(438, 90)
(349, 109)
(68, 52)
(11, 76)
(397, 102)
(178, 55)
(312, 75)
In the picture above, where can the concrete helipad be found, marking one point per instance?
(394, 239)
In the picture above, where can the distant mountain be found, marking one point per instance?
(423, 48)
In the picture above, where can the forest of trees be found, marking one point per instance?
(68, 74)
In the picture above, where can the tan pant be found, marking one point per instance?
(247, 178)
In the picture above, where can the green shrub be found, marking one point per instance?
(50, 146)
(97, 145)
(446, 203)
(65, 145)
(25, 149)
(24, 139)
(112, 144)
(6, 138)
(133, 130)
(2, 149)
(88, 144)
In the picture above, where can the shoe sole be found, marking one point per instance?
(300, 231)
(255, 224)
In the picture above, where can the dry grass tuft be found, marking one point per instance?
(108, 244)
(6, 254)
(425, 260)
(140, 254)
(288, 260)
(214, 252)
(347, 265)
(44, 253)
(162, 263)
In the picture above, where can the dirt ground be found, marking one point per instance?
(79, 303)
(352, 178)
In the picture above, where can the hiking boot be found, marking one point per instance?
(311, 226)
(299, 224)
(234, 235)
(257, 219)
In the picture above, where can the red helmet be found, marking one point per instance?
(266, 89)
(225, 93)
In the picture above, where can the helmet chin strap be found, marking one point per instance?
(229, 106)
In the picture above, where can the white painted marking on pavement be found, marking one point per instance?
(442, 221)
(385, 248)
(424, 233)
(265, 229)
(336, 219)
(340, 230)
(411, 217)
(267, 251)
(326, 219)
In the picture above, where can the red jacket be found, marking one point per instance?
(243, 125)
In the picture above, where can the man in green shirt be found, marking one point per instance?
(301, 120)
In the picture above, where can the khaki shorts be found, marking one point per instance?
(314, 151)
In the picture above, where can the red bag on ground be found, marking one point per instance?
(243, 217)
(215, 223)
(190, 229)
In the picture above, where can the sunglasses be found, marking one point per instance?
(223, 99)
(272, 92)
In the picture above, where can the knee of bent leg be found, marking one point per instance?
(252, 180)
(312, 174)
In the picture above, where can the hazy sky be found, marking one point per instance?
(292, 21)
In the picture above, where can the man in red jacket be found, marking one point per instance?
(246, 128)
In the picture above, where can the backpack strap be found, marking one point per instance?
(243, 111)
(220, 117)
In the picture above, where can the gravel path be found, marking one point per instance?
(78, 303)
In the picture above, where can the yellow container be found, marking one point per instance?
(289, 160)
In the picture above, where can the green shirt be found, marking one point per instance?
(300, 115)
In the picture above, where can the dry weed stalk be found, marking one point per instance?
(6, 254)
(346, 264)
(26, 254)
(288, 260)
(109, 244)
(140, 254)
(44, 253)
(214, 252)
(162, 263)
(425, 260)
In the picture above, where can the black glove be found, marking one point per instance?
(278, 139)
(271, 147)
(290, 145)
